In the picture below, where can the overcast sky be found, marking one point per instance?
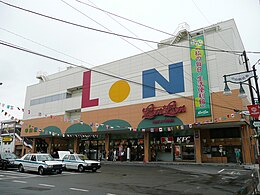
(91, 48)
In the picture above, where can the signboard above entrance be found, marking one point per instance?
(167, 110)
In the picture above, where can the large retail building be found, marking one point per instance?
(163, 105)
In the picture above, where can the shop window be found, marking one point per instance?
(225, 133)
(216, 151)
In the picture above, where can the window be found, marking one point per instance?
(225, 133)
(47, 99)
(72, 157)
(66, 157)
(33, 158)
(27, 157)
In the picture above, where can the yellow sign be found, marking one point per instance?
(7, 139)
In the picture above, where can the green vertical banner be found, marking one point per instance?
(200, 77)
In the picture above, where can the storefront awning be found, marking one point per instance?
(160, 121)
(114, 125)
(50, 130)
(78, 128)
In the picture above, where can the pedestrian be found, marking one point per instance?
(238, 155)
(114, 155)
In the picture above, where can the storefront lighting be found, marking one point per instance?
(243, 78)
(242, 93)
(227, 91)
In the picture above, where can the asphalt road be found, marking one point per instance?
(131, 180)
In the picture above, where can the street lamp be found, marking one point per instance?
(241, 78)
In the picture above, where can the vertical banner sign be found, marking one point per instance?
(200, 77)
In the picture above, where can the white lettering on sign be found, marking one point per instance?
(183, 139)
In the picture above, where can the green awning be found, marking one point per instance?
(50, 130)
(114, 125)
(78, 128)
(160, 121)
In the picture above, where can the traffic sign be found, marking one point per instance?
(256, 123)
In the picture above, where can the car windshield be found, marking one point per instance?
(9, 156)
(44, 157)
(82, 157)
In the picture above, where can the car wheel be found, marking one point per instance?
(94, 169)
(40, 171)
(20, 168)
(80, 168)
(59, 171)
(5, 166)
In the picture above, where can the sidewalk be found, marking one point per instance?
(159, 163)
(227, 168)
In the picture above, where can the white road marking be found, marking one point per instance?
(110, 194)
(71, 173)
(18, 181)
(221, 170)
(46, 185)
(77, 189)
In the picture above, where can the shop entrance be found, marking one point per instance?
(170, 146)
(93, 147)
(184, 152)
(123, 147)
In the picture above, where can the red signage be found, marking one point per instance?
(254, 110)
(167, 110)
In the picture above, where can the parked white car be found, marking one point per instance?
(41, 163)
(80, 162)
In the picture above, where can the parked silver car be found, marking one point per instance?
(41, 163)
(80, 162)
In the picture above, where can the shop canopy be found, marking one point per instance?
(78, 129)
(160, 122)
(165, 122)
(50, 130)
(114, 125)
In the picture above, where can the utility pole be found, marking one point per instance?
(249, 80)
(256, 85)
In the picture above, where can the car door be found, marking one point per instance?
(73, 162)
(33, 163)
(26, 162)
(66, 161)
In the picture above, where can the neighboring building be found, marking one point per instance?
(10, 138)
(166, 104)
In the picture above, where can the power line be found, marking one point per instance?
(101, 30)
(209, 22)
(103, 73)
(111, 33)
(138, 23)
(125, 18)
(135, 36)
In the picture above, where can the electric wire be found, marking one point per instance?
(138, 23)
(69, 22)
(147, 53)
(102, 73)
(187, 78)
(47, 47)
(111, 33)
(209, 22)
